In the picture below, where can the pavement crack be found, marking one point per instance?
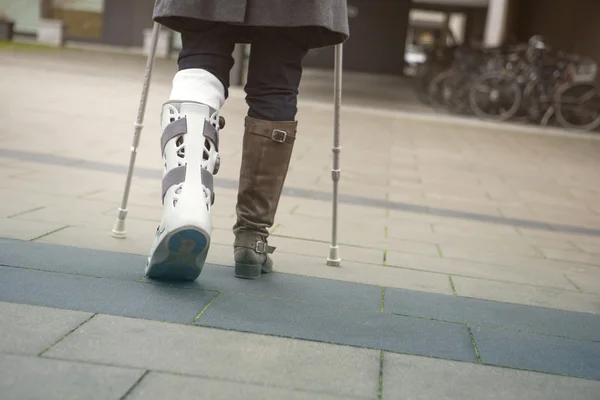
(41, 354)
(135, 384)
(383, 299)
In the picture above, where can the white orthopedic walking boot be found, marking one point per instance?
(190, 145)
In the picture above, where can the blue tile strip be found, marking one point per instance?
(524, 337)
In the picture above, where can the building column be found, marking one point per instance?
(495, 25)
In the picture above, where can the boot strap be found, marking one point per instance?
(282, 132)
(259, 246)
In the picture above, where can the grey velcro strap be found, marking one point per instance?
(211, 132)
(175, 128)
(177, 175)
(179, 127)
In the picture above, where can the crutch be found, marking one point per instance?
(334, 251)
(119, 230)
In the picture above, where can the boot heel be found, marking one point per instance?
(247, 271)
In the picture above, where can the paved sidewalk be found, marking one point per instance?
(455, 235)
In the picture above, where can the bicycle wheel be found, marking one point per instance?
(578, 106)
(495, 96)
(440, 91)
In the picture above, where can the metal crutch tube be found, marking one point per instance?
(119, 230)
(334, 251)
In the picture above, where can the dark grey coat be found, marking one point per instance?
(325, 21)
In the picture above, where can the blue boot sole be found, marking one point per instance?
(181, 253)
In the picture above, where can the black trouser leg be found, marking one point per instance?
(209, 50)
(274, 74)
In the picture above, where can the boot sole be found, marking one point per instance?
(247, 271)
(180, 252)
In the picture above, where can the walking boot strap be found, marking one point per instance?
(259, 246)
(284, 133)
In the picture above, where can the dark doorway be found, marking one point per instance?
(125, 22)
(377, 38)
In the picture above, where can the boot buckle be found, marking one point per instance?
(260, 247)
(263, 248)
(279, 135)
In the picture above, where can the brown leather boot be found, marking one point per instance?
(266, 156)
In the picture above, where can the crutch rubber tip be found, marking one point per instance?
(334, 259)
(119, 231)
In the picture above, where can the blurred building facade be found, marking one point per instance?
(385, 34)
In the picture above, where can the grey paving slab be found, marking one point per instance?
(219, 354)
(100, 295)
(107, 264)
(160, 386)
(316, 194)
(24, 377)
(541, 353)
(30, 330)
(73, 260)
(420, 378)
(277, 285)
(356, 328)
(493, 313)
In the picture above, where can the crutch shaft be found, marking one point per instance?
(119, 228)
(334, 257)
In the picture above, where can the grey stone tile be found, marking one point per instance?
(219, 354)
(538, 352)
(161, 386)
(350, 327)
(106, 264)
(287, 286)
(420, 378)
(492, 313)
(29, 329)
(527, 295)
(73, 260)
(24, 377)
(101, 295)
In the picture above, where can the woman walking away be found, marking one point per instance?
(280, 32)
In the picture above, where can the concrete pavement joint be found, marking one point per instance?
(539, 251)
(135, 384)
(67, 334)
(380, 385)
(224, 183)
(439, 250)
(209, 377)
(275, 228)
(318, 257)
(573, 283)
(26, 212)
(452, 285)
(382, 299)
(49, 233)
(474, 344)
(205, 308)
